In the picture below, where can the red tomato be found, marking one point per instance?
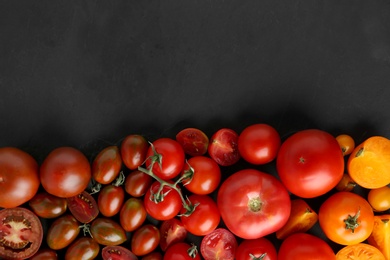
(305, 246)
(219, 245)
(168, 156)
(259, 144)
(194, 141)
(260, 248)
(110, 200)
(253, 203)
(205, 175)
(132, 214)
(117, 253)
(156, 255)
(107, 232)
(82, 248)
(145, 240)
(62, 232)
(172, 231)
(107, 165)
(204, 219)
(223, 147)
(182, 251)
(21, 233)
(45, 254)
(83, 207)
(310, 163)
(65, 172)
(137, 183)
(46, 205)
(19, 180)
(133, 151)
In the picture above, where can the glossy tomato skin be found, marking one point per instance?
(132, 214)
(223, 147)
(253, 204)
(45, 254)
(107, 232)
(145, 240)
(219, 244)
(110, 200)
(137, 183)
(82, 248)
(107, 165)
(62, 232)
(310, 163)
(117, 253)
(259, 144)
(83, 207)
(182, 251)
(65, 172)
(305, 246)
(172, 231)
(156, 255)
(260, 247)
(133, 151)
(48, 206)
(193, 140)
(19, 179)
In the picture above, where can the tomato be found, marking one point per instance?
(19, 179)
(110, 200)
(204, 219)
(310, 163)
(380, 234)
(164, 209)
(46, 205)
(223, 147)
(117, 253)
(83, 207)
(82, 248)
(21, 233)
(194, 141)
(133, 151)
(145, 240)
(45, 254)
(379, 198)
(305, 246)
(346, 143)
(156, 255)
(359, 251)
(168, 156)
(346, 218)
(107, 232)
(220, 244)
(172, 231)
(65, 172)
(132, 214)
(260, 248)
(137, 183)
(346, 183)
(205, 175)
(62, 232)
(259, 144)
(107, 165)
(182, 251)
(253, 203)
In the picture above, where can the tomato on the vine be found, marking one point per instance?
(182, 251)
(172, 231)
(107, 165)
(223, 147)
(260, 248)
(83, 207)
(145, 240)
(220, 244)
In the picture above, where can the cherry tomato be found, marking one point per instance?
(194, 141)
(82, 248)
(260, 248)
(133, 151)
(310, 163)
(19, 179)
(379, 198)
(223, 147)
(155, 255)
(259, 144)
(45, 254)
(168, 156)
(220, 244)
(305, 246)
(182, 251)
(21, 233)
(346, 218)
(132, 214)
(172, 231)
(205, 175)
(137, 183)
(107, 232)
(65, 172)
(346, 143)
(360, 251)
(107, 165)
(62, 232)
(145, 240)
(346, 183)
(253, 203)
(380, 234)
(110, 200)
(117, 253)
(46, 205)
(204, 218)
(83, 207)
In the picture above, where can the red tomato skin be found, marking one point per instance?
(220, 244)
(179, 251)
(223, 147)
(145, 240)
(107, 232)
(310, 163)
(19, 179)
(107, 165)
(137, 183)
(62, 232)
(172, 231)
(132, 214)
(48, 206)
(256, 247)
(45, 254)
(259, 144)
(110, 200)
(133, 151)
(156, 255)
(82, 248)
(249, 187)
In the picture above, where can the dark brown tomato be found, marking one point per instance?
(45, 254)
(62, 232)
(194, 141)
(83, 207)
(83, 248)
(117, 253)
(48, 206)
(107, 232)
(145, 240)
(107, 165)
(132, 214)
(110, 200)
(133, 151)
(137, 183)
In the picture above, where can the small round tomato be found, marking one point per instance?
(82, 248)
(62, 232)
(110, 200)
(145, 240)
(172, 231)
(219, 244)
(83, 207)
(107, 165)
(137, 183)
(346, 183)
(360, 251)
(260, 248)
(305, 246)
(168, 157)
(346, 218)
(204, 175)
(21, 233)
(117, 253)
(223, 147)
(45, 254)
(132, 214)
(65, 172)
(46, 205)
(379, 198)
(194, 141)
(259, 143)
(19, 179)
(182, 251)
(107, 232)
(380, 234)
(346, 142)
(133, 151)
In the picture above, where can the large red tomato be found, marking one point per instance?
(19, 180)
(310, 163)
(253, 203)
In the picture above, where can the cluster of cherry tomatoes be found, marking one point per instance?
(230, 196)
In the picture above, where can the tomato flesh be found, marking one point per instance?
(83, 207)
(117, 253)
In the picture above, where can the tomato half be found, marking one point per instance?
(172, 231)
(360, 251)
(145, 240)
(46, 205)
(82, 248)
(220, 244)
(83, 207)
(107, 165)
(194, 141)
(253, 203)
(133, 151)
(380, 236)
(62, 232)
(117, 253)
(260, 248)
(223, 147)
(182, 251)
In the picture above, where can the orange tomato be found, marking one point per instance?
(301, 219)
(346, 142)
(379, 198)
(359, 251)
(369, 163)
(380, 236)
(346, 183)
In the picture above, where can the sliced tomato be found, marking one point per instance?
(220, 244)
(194, 141)
(117, 253)
(172, 231)
(83, 207)
(223, 147)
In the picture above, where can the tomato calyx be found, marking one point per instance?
(261, 257)
(192, 251)
(255, 204)
(352, 221)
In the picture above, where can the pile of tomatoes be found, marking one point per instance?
(247, 195)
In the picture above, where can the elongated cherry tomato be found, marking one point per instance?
(145, 240)
(132, 214)
(133, 151)
(107, 232)
(45, 254)
(137, 183)
(46, 205)
(62, 232)
(83, 207)
(107, 165)
(110, 200)
(82, 248)
(194, 141)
